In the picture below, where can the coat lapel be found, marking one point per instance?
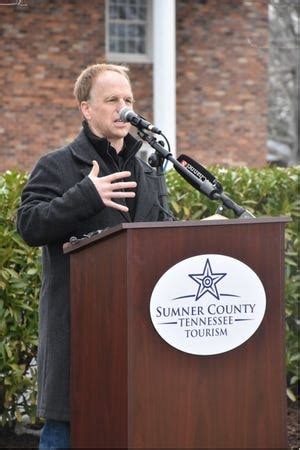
(146, 192)
(147, 180)
(83, 150)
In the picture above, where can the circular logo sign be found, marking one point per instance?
(208, 304)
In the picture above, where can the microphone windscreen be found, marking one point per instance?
(194, 167)
(126, 114)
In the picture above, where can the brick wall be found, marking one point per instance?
(221, 77)
(45, 46)
(222, 81)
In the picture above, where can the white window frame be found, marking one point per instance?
(130, 57)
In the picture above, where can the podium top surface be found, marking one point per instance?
(77, 244)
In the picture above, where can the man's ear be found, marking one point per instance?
(85, 109)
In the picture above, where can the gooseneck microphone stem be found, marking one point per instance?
(230, 204)
(202, 185)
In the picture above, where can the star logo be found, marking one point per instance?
(207, 281)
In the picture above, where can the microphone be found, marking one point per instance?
(128, 115)
(208, 184)
(200, 171)
(198, 176)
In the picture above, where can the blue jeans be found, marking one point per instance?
(55, 435)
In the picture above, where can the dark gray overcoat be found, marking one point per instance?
(58, 202)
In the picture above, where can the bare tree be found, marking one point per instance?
(283, 132)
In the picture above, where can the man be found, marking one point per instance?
(95, 182)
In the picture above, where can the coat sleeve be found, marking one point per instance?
(48, 213)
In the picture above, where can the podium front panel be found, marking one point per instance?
(131, 389)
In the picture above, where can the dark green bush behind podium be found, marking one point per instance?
(270, 191)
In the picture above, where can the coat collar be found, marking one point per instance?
(83, 150)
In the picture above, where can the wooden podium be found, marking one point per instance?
(129, 388)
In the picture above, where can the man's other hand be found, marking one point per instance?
(110, 188)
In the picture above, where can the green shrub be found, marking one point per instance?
(272, 192)
(19, 291)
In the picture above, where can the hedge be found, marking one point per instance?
(270, 191)
(19, 291)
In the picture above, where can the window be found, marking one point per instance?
(128, 30)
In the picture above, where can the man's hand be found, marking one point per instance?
(108, 188)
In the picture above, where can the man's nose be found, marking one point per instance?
(121, 104)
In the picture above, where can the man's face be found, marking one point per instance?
(111, 91)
